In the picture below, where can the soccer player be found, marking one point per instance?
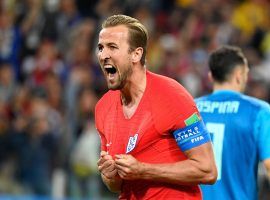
(239, 126)
(154, 144)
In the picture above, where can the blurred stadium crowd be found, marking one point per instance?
(50, 78)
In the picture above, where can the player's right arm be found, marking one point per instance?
(109, 175)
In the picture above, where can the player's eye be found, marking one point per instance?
(100, 48)
(112, 47)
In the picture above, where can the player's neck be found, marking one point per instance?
(132, 93)
(226, 86)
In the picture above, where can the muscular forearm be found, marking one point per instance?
(198, 168)
(184, 172)
(114, 185)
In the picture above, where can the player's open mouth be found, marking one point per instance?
(110, 69)
(110, 72)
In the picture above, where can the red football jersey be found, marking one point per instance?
(147, 135)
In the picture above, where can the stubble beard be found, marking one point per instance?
(122, 79)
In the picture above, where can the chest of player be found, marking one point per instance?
(138, 136)
(125, 135)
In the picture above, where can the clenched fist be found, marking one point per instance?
(128, 167)
(106, 165)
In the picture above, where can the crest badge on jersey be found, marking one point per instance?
(132, 143)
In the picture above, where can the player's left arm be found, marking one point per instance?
(198, 168)
(194, 140)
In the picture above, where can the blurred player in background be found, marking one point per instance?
(239, 126)
(154, 144)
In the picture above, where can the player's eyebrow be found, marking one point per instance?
(107, 44)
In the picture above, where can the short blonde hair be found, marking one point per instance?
(138, 35)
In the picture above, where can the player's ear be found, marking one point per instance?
(210, 77)
(238, 74)
(137, 54)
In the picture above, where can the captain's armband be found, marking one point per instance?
(191, 136)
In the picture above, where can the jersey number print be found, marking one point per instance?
(217, 131)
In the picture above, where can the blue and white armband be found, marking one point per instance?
(192, 136)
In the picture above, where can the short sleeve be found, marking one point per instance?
(172, 107)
